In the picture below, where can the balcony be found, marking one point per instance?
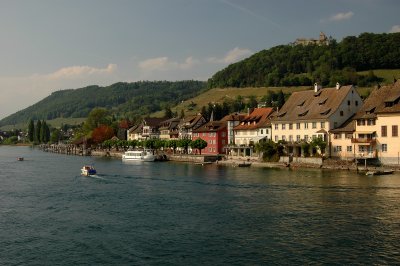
(364, 140)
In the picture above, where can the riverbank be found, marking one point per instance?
(329, 164)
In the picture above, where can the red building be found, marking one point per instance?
(216, 135)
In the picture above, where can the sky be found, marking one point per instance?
(51, 45)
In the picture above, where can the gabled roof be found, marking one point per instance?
(305, 105)
(152, 121)
(234, 117)
(382, 100)
(136, 129)
(212, 126)
(257, 119)
(191, 121)
(170, 123)
(348, 126)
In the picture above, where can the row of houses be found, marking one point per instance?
(351, 127)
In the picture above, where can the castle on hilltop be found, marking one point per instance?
(323, 40)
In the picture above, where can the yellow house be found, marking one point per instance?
(313, 113)
(377, 125)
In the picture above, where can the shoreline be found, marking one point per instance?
(329, 164)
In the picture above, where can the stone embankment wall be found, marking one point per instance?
(301, 160)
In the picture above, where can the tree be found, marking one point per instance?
(97, 117)
(168, 112)
(37, 137)
(182, 115)
(31, 131)
(281, 99)
(55, 136)
(102, 133)
(198, 144)
(184, 144)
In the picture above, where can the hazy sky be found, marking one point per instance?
(49, 45)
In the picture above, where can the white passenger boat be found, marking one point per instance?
(139, 155)
(88, 170)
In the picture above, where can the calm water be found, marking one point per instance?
(182, 214)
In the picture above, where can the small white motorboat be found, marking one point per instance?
(88, 170)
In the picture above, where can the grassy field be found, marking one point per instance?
(386, 74)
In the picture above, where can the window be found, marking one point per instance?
(305, 137)
(322, 124)
(348, 103)
(314, 137)
(290, 137)
(338, 148)
(290, 126)
(276, 138)
(305, 125)
(349, 136)
(356, 103)
(298, 138)
(337, 135)
(349, 148)
(297, 125)
(262, 131)
(283, 137)
(223, 134)
(276, 126)
(384, 147)
(384, 131)
(341, 113)
(283, 126)
(395, 131)
(314, 124)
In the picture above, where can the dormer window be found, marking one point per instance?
(303, 113)
(301, 104)
(281, 114)
(323, 101)
(318, 93)
(370, 110)
(325, 112)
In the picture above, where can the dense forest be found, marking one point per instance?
(122, 99)
(296, 65)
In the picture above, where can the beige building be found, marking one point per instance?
(377, 125)
(312, 114)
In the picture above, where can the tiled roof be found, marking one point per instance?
(348, 126)
(383, 99)
(306, 105)
(170, 123)
(191, 121)
(234, 117)
(258, 118)
(212, 126)
(152, 121)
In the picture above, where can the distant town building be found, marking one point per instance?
(323, 40)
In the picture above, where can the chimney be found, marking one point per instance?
(316, 87)
(337, 85)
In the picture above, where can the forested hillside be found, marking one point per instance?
(123, 99)
(302, 65)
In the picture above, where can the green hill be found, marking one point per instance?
(123, 99)
(302, 65)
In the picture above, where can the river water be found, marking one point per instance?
(182, 214)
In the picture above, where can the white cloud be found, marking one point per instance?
(395, 28)
(232, 56)
(22, 91)
(341, 16)
(74, 72)
(164, 64)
